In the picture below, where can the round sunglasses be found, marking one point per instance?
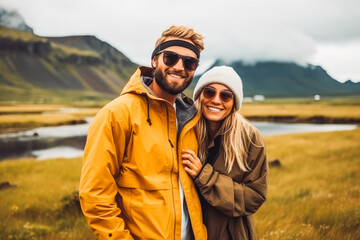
(171, 58)
(210, 92)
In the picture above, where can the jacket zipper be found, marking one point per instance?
(172, 169)
(177, 147)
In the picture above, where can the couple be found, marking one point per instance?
(158, 166)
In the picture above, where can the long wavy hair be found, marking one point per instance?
(234, 143)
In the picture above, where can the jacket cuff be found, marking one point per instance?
(204, 176)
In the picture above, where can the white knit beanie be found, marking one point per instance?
(226, 76)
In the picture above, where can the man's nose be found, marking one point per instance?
(179, 65)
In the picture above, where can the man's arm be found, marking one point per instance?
(103, 153)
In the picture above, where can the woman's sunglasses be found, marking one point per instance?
(171, 58)
(210, 92)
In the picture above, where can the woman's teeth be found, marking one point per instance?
(214, 109)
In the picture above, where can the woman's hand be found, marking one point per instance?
(191, 162)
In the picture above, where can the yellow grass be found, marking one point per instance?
(36, 120)
(31, 210)
(301, 110)
(316, 192)
(13, 118)
(87, 111)
(29, 108)
(47, 108)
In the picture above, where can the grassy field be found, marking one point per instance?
(328, 110)
(303, 112)
(19, 117)
(41, 205)
(315, 194)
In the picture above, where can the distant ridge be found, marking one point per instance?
(288, 79)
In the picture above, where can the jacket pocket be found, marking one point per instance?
(149, 212)
(124, 203)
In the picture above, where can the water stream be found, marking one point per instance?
(68, 141)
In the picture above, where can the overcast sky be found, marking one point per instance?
(319, 32)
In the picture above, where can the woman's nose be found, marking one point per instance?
(216, 98)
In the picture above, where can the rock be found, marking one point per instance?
(6, 185)
(275, 163)
(70, 204)
(35, 47)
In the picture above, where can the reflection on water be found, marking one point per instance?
(56, 152)
(56, 131)
(68, 141)
(33, 143)
(272, 128)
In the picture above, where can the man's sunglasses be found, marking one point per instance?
(210, 92)
(171, 58)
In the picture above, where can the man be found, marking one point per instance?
(133, 184)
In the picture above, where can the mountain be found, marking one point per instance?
(47, 68)
(12, 19)
(287, 79)
(57, 69)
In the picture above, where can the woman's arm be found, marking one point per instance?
(232, 198)
(191, 162)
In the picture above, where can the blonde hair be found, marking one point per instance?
(182, 32)
(234, 144)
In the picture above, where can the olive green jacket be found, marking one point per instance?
(230, 199)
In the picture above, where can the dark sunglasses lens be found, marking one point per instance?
(170, 58)
(209, 92)
(226, 96)
(190, 63)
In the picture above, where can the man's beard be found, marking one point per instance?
(160, 79)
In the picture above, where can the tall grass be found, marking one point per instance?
(315, 194)
(35, 208)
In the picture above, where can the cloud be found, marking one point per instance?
(252, 42)
(329, 21)
(340, 60)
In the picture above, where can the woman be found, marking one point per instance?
(231, 170)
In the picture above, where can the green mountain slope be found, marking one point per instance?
(77, 67)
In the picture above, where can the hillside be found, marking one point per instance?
(78, 68)
(286, 79)
(74, 67)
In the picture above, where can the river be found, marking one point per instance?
(68, 141)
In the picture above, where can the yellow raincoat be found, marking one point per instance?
(129, 186)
